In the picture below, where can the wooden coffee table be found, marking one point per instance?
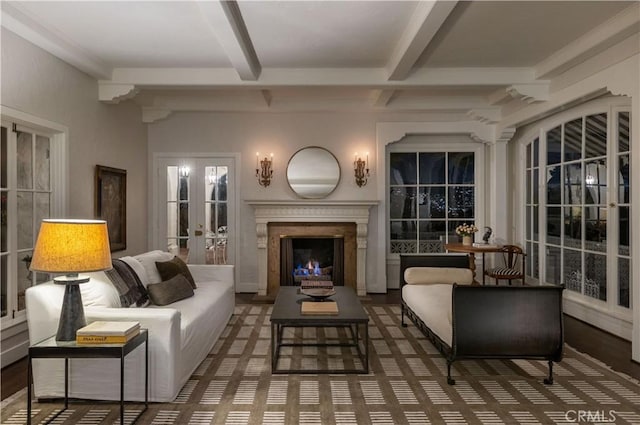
(351, 315)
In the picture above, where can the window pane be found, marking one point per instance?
(573, 227)
(3, 284)
(595, 228)
(553, 224)
(623, 132)
(24, 150)
(222, 218)
(432, 235)
(172, 219)
(536, 152)
(624, 176)
(573, 270)
(3, 157)
(573, 184)
(43, 165)
(528, 263)
(461, 168)
(404, 230)
(553, 146)
(595, 136)
(402, 167)
(3, 224)
(528, 154)
(528, 189)
(573, 140)
(536, 186)
(554, 189)
(534, 258)
(595, 183)
(184, 219)
(536, 230)
(461, 202)
(624, 230)
(25, 220)
(431, 202)
(624, 271)
(553, 265)
(172, 183)
(528, 224)
(432, 168)
(184, 188)
(595, 282)
(43, 208)
(402, 202)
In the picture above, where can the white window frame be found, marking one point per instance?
(58, 135)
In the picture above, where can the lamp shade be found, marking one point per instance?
(72, 246)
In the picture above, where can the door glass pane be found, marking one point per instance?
(536, 152)
(624, 179)
(528, 186)
(432, 235)
(172, 219)
(534, 258)
(573, 184)
(624, 271)
(554, 188)
(536, 186)
(595, 228)
(43, 165)
(172, 184)
(528, 154)
(623, 132)
(431, 202)
(595, 136)
(24, 150)
(403, 200)
(528, 224)
(43, 208)
(3, 157)
(461, 168)
(553, 265)
(223, 182)
(624, 231)
(573, 140)
(402, 168)
(432, 168)
(461, 202)
(5, 219)
(553, 146)
(573, 227)
(536, 230)
(222, 219)
(183, 193)
(553, 224)
(3, 284)
(573, 270)
(25, 220)
(595, 281)
(210, 183)
(595, 182)
(528, 263)
(403, 236)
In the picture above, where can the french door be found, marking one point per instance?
(196, 208)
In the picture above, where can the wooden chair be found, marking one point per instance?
(512, 255)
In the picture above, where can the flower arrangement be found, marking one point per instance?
(466, 229)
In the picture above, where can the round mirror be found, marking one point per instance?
(313, 172)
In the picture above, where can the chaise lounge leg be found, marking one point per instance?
(450, 380)
(549, 380)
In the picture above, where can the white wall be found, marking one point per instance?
(38, 84)
(342, 133)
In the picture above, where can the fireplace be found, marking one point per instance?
(278, 220)
(311, 258)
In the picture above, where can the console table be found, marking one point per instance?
(52, 349)
(472, 251)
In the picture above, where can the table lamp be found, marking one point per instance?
(71, 247)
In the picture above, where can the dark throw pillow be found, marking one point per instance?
(124, 278)
(175, 289)
(169, 269)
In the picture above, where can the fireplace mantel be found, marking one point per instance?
(312, 212)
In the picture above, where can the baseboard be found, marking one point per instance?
(246, 287)
(14, 353)
(600, 319)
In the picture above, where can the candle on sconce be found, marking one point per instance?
(257, 159)
(367, 159)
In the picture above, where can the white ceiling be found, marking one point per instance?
(322, 55)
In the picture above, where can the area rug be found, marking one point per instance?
(406, 385)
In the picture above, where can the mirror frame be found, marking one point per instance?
(325, 194)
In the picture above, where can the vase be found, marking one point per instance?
(467, 240)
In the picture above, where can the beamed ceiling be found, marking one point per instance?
(445, 57)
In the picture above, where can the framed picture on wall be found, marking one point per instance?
(111, 204)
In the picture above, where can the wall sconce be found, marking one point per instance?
(361, 169)
(264, 169)
(184, 171)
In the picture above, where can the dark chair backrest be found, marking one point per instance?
(460, 261)
(512, 254)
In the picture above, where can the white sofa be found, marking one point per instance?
(180, 334)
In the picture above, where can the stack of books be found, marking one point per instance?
(102, 332)
(312, 284)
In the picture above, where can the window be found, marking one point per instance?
(26, 195)
(579, 223)
(430, 194)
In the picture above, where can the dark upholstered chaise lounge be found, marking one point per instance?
(472, 321)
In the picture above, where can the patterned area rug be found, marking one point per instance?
(406, 385)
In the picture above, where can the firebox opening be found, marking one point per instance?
(312, 258)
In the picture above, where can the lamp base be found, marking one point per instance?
(72, 313)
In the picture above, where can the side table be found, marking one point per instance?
(52, 349)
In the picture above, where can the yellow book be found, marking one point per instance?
(106, 339)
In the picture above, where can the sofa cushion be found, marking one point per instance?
(99, 291)
(173, 267)
(175, 289)
(432, 304)
(126, 281)
(148, 261)
(431, 275)
(138, 268)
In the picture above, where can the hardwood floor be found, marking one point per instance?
(609, 349)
